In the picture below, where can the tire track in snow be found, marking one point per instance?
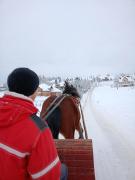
(120, 145)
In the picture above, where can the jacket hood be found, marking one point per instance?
(14, 105)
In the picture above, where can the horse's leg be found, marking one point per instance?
(67, 133)
(56, 134)
(80, 132)
(81, 135)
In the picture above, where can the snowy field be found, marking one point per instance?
(110, 119)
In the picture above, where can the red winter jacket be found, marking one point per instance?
(27, 150)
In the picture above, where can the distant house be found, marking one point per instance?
(46, 90)
(125, 81)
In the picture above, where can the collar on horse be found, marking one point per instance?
(76, 100)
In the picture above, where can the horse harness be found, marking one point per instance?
(55, 103)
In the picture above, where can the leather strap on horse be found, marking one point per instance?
(84, 125)
(49, 107)
(55, 106)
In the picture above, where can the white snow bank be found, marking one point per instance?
(38, 102)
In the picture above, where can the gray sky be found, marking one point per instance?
(67, 37)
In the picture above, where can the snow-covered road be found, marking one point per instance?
(110, 121)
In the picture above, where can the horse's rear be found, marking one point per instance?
(68, 117)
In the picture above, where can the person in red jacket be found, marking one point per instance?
(27, 149)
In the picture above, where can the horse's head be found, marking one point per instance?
(71, 90)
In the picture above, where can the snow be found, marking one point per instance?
(106, 83)
(62, 83)
(2, 93)
(39, 102)
(54, 89)
(110, 120)
(44, 87)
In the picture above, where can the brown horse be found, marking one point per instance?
(65, 118)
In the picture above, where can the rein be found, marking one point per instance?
(62, 97)
(49, 107)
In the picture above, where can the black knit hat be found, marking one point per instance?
(23, 81)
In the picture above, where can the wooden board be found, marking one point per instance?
(77, 154)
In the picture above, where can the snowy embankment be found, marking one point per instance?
(110, 120)
(38, 102)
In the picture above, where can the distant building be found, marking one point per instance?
(46, 90)
(124, 81)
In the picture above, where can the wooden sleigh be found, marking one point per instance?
(77, 154)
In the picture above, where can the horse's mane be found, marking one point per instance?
(70, 89)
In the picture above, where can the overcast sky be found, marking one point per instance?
(67, 37)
